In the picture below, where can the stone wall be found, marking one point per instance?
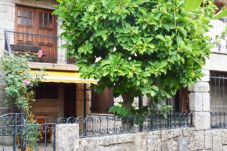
(184, 139)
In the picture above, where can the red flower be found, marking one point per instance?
(40, 53)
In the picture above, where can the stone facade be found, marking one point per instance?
(184, 139)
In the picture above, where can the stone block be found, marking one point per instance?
(170, 134)
(164, 135)
(224, 136)
(208, 139)
(206, 102)
(140, 141)
(200, 87)
(172, 145)
(216, 137)
(183, 144)
(154, 141)
(187, 132)
(87, 144)
(7, 10)
(173, 133)
(199, 140)
(116, 139)
(196, 102)
(67, 137)
(199, 101)
(5, 24)
(201, 120)
(111, 143)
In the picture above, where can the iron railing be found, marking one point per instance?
(16, 134)
(218, 119)
(110, 125)
(29, 44)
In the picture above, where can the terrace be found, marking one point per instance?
(39, 48)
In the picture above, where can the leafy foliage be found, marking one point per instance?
(19, 91)
(19, 82)
(137, 47)
(191, 5)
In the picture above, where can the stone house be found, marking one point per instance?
(30, 26)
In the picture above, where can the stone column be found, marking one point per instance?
(67, 137)
(199, 102)
(7, 18)
(61, 52)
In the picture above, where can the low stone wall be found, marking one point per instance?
(184, 139)
(175, 139)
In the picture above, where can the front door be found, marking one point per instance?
(37, 29)
(69, 100)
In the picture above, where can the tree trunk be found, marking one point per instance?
(127, 103)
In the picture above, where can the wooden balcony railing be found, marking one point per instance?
(38, 48)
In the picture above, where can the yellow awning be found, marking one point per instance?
(64, 77)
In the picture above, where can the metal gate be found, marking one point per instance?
(17, 134)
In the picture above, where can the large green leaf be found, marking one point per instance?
(221, 14)
(192, 4)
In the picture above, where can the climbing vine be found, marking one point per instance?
(19, 83)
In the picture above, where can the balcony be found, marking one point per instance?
(38, 48)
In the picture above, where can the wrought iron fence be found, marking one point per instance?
(16, 134)
(218, 119)
(110, 125)
(37, 47)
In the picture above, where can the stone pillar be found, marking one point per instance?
(61, 52)
(7, 18)
(67, 137)
(199, 102)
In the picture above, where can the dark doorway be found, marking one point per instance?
(69, 100)
(102, 102)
